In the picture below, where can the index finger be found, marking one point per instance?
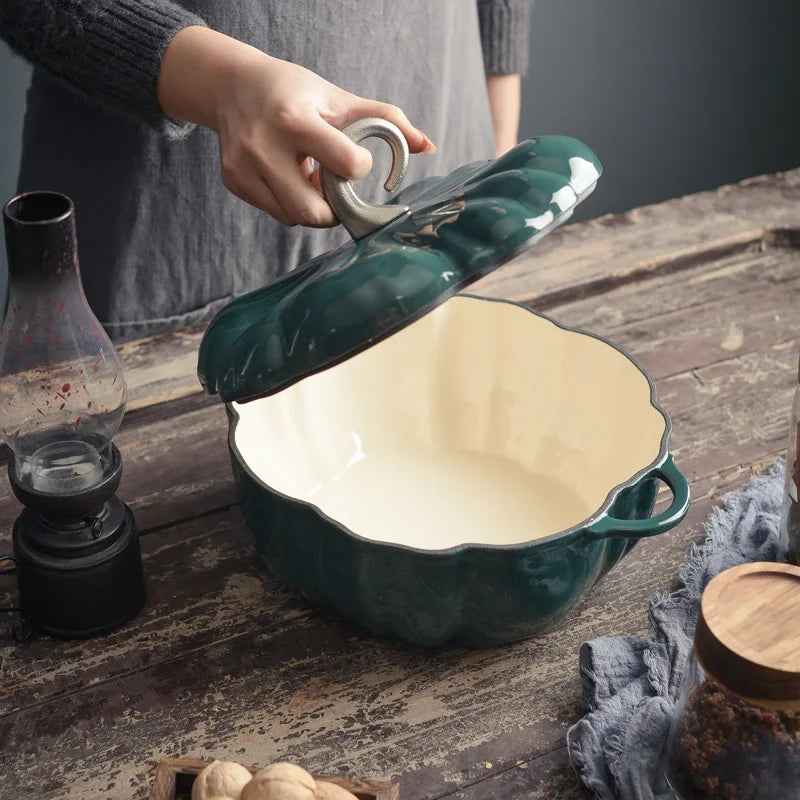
(335, 150)
(418, 142)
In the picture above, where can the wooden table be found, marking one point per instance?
(222, 662)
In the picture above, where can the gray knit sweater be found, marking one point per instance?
(162, 243)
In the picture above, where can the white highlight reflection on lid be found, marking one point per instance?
(584, 174)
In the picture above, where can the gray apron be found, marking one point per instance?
(162, 243)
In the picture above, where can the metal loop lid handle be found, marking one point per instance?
(357, 217)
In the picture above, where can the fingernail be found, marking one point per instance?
(427, 145)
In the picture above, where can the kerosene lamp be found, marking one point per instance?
(62, 399)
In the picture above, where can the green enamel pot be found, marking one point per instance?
(439, 467)
(468, 479)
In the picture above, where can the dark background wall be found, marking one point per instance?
(14, 76)
(674, 97)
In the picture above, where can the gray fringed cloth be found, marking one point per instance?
(630, 683)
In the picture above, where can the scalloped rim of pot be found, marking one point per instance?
(240, 428)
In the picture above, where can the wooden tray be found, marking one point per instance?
(175, 776)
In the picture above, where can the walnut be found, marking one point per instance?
(280, 782)
(220, 779)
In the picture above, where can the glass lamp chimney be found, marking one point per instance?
(62, 388)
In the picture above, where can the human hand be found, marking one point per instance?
(273, 119)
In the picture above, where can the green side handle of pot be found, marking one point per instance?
(608, 526)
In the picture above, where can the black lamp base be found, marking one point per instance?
(78, 577)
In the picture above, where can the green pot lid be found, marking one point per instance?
(435, 238)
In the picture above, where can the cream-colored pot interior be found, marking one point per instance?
(479, 423)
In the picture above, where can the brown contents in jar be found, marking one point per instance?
(733, 750)
(793, 513)
(793, 532)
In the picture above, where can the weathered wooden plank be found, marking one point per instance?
(312, 691)
(169, 409)
(590, 257)
(732, 412)
(683, 321)
(758, 266)
(177, 468)
(161, 368)
(653, 266)
(208, 565)
(549, 777)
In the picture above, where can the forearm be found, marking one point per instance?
(108, 50)
(504, 100)
(196, 66)
(504, 28)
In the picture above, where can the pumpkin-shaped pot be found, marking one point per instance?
(438, 466)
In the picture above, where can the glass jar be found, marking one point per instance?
(790, 512)
(735, 731)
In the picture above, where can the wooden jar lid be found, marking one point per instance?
(748, 633)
